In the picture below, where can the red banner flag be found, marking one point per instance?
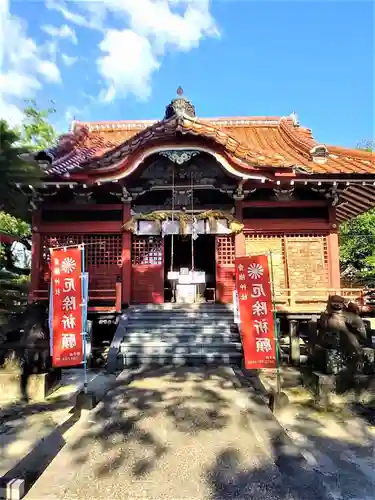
(257, 325)
(67, 307)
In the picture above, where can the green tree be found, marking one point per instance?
(357, 247)
(19, 229)
(357, 241)
(36, 132)
(14, 170)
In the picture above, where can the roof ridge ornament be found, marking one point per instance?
(319, 154)
(180, 107)
(294, 118)
(179, 156)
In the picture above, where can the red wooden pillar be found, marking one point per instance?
(36, 255)
(126, 257)
(333, 252)
(239, 239)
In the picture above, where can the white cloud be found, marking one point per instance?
(23, 67)
(13, 84)
(63, 31)
(48, 70)
(147, 29)
(126, 71)
(165, 26)
(69, 60)
(95, 10)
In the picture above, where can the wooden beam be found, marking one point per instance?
(80, 227)
(76, 206)
(239, 239)
(286, 225)
(291, 203)
(126, 258)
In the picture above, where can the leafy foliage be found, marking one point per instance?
(36, 132)
(14, 289)
(357, 247)
(14, 226)
(14, 170)
(22, 231)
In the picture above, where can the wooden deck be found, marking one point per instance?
(106, 300)
(307, 300)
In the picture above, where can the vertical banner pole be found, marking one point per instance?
(172, 235)
(50, 316)
(276, 327)
(192, 224)
(84, 318)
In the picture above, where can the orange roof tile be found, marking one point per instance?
(276, 142)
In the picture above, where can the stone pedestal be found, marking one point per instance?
(85, 401)
(294, 345)
(346, 385)
(369, 360)
(328, 361)
(39, 386)
(333, 361)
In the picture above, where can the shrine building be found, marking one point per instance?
(163, 204)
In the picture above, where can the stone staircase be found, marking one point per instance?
(174, 334)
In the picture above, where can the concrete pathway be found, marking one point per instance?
(171, 435)
(179, 434)
(339, 445)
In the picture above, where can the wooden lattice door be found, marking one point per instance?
(102, 259)
(147, 270)
(225, 272)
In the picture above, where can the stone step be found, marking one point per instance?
(181, 322)
(179, 349)
(180, 342)
(172, 323)
(175, 328)
(220, 359)
(184, 336)
(151, 316)
(182, 307)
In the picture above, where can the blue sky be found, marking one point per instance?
(124, 59)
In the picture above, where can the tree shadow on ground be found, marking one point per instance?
(13, 423)
(229, 479)
(311, 468)
(119, 423)
(14, 417)
(336, 450)
(318, 468)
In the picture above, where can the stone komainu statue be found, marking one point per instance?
(34, 344)
(341, 337)
(35, 339)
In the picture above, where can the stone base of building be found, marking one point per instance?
(342, 388)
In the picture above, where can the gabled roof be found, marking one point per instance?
(251, 142)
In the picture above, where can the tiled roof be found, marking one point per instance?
(254, 141)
